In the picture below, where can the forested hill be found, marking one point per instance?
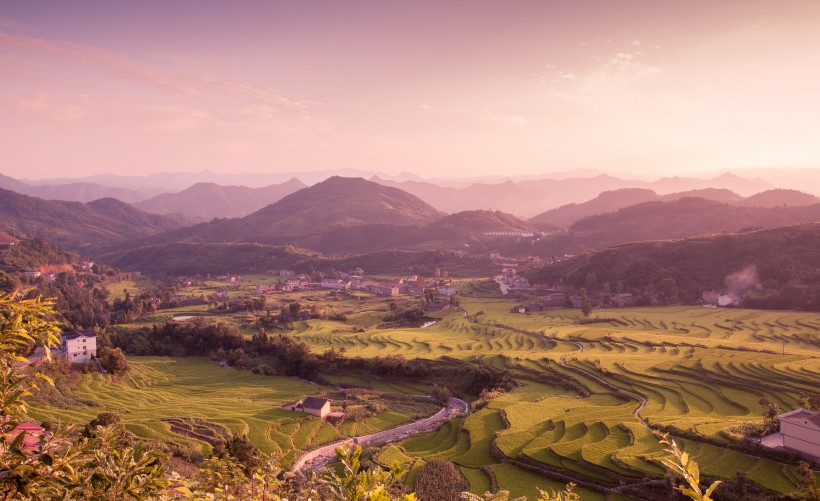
(781, 267)
(35, 255)
(683, 218)
(77, 225)
(611, 201)
(302, 218)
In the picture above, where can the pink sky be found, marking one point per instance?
(439, 88)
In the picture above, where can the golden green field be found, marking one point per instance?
(691, 370)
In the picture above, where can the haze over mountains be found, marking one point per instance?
(352, 215)
(206, 195)
(204, 201)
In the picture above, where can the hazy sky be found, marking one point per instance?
(439, 88)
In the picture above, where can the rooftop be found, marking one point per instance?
(314, 403)
(76, 334)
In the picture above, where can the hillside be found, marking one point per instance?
(32, 255)
(6, 239)
(76, 225)
(607, 201)
(73, 191)
(205, 201)
(683, 218)
(610, 201)
(770, 259)
(721, 195)
(482, 221)
(780, 197)
(344, 207)
(340, 201)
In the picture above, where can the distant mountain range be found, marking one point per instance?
(205, 201)
(343, 216)
(660, 220)
(76, 225)
(74, 191)
(522, 197)
(529, 198)
(610, 201)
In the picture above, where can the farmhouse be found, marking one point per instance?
(555, 300)
(315, 406)
(265, 288)
(79, 347)
(801, 431)
(729, 300)
(623, 300)
(336, 284)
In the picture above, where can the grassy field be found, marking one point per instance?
(700, 371)
(159, 389)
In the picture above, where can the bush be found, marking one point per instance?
(440, 480)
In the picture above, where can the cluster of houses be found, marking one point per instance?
(510, 280)
(51, 272)
(513, 234)
(354, 281)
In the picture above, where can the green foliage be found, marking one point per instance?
(101, 467)
(688, 469)
(32, 254)
(23, 323)
(809, 490)
(358, 484)
(566, 494)
(112, 360)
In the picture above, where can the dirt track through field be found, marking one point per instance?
(323, 455)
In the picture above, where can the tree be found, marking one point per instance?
(810, 401)
(809, 490)
(770, 412)
(439, 480)
(586, 305)
(441, 393)
(242, 450)
(112, 360)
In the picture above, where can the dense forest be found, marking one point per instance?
(751, 263)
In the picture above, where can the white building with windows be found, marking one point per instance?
(799, 432)
(79, 347)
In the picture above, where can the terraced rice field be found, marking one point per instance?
(692, 369)
(698, 370)
(159, 392)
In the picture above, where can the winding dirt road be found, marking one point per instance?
(323, 455)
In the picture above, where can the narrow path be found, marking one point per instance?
(323, 455)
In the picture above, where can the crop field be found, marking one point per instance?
(695, 370)
(586, 390)
(160, 395)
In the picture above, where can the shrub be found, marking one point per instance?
(439, 480)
